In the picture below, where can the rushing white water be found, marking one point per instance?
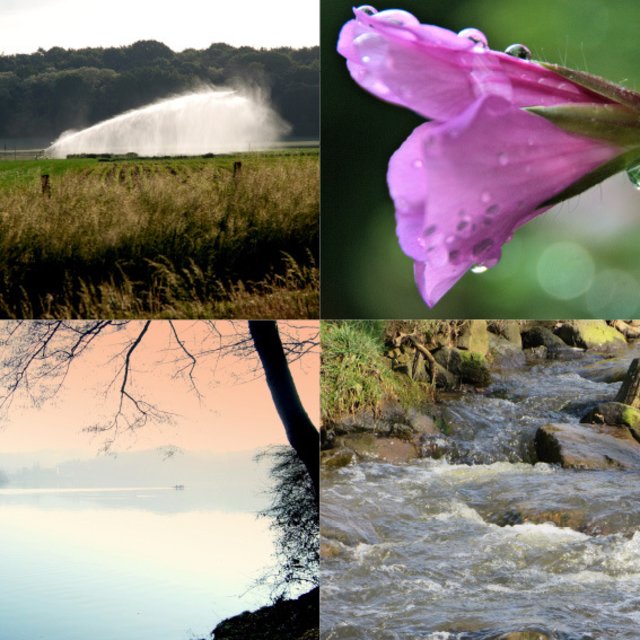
(206, 121)
(442, 551)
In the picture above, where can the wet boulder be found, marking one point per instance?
(591, 334)
(615, 414)
(366, 446)
(543, 343)
(505, 353)
(337, 457)
(576, 446)
(539, 336)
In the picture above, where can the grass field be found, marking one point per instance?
(182, 238)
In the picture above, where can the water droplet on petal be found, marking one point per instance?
(482, 247)
(368, 9)
(503, 159)
(454, 256)
(398, 17)
(479, 268)
(450, 239)
(493, 209)
(372, 48)
(485, 196)
(430, 230)
(476, 36)
(462, 225)
(518, 51)
(634, 175)
(418, 164)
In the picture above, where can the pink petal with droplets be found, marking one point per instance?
(437, 73)
(461, 188)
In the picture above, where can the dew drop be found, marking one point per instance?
(492, 209)
(482, 247)
(634, 175)
(462, 225)
(398, 17)
(368, 9)
(503, 159)
(418, 164)
(454, 256)
(475, 36)
(518, 51)
(479, 268)
(450, 239)
(485, 196)
(430, 230)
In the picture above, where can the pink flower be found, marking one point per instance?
(487, 162)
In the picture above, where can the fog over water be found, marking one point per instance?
(205, 121)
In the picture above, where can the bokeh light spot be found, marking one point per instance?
(613, 293)
(565, 270)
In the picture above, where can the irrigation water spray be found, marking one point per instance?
(205, 121)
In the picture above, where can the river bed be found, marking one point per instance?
(485, 543)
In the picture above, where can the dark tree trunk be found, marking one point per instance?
(301, 433)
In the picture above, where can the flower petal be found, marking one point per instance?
(437, 73)
(461, 188)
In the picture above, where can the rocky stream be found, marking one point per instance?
(446, 523)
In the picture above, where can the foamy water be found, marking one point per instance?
(206, 121)
(432, 550)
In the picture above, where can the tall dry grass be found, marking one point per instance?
(168, 239)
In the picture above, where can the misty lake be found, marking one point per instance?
(125, 563)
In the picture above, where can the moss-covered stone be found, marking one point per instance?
(468, 366)
(590, 334)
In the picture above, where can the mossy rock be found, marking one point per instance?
(590, 334)
(468, 366)
(615, 414)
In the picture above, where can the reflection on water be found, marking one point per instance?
(100, 565)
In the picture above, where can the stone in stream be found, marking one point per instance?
(590, 334)
(470, 367)
(504, 353)
(630, 390)
(595, 447)
(615, 414)
(367, 446)
(545, 344)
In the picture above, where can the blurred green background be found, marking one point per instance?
(581, 259)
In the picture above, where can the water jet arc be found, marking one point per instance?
(205, 121)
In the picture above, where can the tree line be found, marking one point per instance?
(47, 92)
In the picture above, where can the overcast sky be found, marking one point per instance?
(27, 25)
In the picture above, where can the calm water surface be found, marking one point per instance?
(124, 563)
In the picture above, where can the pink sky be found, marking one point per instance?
(235, 412)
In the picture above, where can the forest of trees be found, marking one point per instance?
(48, 92)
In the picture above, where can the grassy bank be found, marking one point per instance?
(160, 238)
(356, 373)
